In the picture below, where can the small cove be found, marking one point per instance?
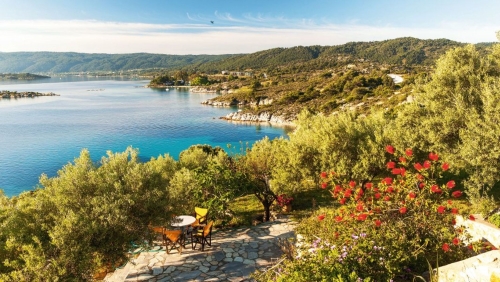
(42, 134)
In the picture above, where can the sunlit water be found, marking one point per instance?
(40, 135)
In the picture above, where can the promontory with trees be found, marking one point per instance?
(378, 170)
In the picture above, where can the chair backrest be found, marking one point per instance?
(157, 229)
(201, 214)
(173, 235)
(207, 229)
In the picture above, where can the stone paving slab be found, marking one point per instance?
(234, 255)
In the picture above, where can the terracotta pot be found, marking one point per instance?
(287, 208)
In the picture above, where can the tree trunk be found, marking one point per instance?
(267, 210)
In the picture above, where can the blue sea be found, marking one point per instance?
(42, 134)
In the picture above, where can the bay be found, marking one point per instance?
(42, 134)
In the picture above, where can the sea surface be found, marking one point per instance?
(42, 134)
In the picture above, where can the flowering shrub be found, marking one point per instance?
(385, 229)
(283, 200)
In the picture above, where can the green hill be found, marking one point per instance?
(405, 51)
(400, 51)
(57, 62)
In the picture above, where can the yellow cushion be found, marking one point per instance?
(200, 212)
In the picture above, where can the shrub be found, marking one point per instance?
(495, 219)
(381, 231)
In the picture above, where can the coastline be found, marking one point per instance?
(264, 117)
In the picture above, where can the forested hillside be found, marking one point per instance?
(57, 62)
(404, 51)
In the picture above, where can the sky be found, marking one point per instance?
(236, 26)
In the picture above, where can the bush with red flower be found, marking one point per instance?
(283, 200)
(385, 229)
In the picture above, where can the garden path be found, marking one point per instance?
(233, 256)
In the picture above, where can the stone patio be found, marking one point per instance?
(233, 256)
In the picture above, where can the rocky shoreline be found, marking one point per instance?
(258, 118)
(14, 94)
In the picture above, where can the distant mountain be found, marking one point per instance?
(57, 62)
(406, 50)
(400, 51)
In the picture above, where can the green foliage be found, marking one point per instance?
(457, 113)
(58, 62)
(21, 76)
(380, 231)
(200, 80)
(495, 219)
(258, 165)
(161, 80)
(208, 178)
(85, 217)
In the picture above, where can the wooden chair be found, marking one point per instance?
(159, 232)
(173, 239)
(202, 236)
(201, 216)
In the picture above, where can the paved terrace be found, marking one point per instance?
(233, 256)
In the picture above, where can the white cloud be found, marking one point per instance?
(115, 37)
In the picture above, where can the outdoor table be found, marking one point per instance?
(182, 221)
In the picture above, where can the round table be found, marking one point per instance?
(183, 220)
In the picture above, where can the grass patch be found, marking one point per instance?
(245, 208)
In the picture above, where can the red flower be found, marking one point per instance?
(369, 185)
(324, 185)
(389, 149)
(412, 195)
(435, 189)
(433, 156)
(352, 183)
(420, 177)
(454, 211)
(391, 164)
(409, 152)
(378, 223)
(441, 209)
(402, 160)
(396, 171)
(427, 164)
(456, 194)
(445, 166)
(377, 196)
(387, 198)
(338, 218)
(403, 171)
(348, 193)
(387, 181)
(418, 166)
(471, 217)
(360, 207)
(390, 189)
(342, 201)
(402, 210)
(453, 222)
(324, 175)
(446, 247)
(421, 185)
(456, 241)
(338, 188)
(450, 184)
(362, 216)
(321, 217)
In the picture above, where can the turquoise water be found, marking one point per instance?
(40, 135)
